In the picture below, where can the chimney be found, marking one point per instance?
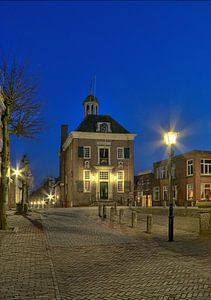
(64, 133)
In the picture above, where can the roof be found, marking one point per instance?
(89, 124)
(185, 155)
(91, 98)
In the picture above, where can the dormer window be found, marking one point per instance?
(103, 127)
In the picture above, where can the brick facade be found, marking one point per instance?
(90, 169)
(143, 184)
(191, 182)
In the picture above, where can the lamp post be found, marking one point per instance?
(170, 139)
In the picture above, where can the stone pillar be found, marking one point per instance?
(133, 219)
(204, 223)
(112, 212)
(149, 223)
(121, 215)
(104, 211)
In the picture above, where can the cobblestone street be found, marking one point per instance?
(74, 255)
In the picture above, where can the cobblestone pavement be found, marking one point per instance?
(93, 260)
(72, 254)
(26, 270)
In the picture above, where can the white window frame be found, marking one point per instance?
(203, 190)
(87, 180)
(104, 176)
(189, 167)
(122, 149)
(109, 154)
(174, 192)
(85, 148)
(165, 189)
(205, 166)
(187, 191)
(156, 189)
(120, 180)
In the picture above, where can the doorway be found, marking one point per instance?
(104, 190)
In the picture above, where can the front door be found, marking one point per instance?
(103, 190)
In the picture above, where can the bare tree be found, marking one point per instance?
(21, 117)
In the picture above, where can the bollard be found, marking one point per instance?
(112, 212)
(100, 211)
(149, 223)
(121, 215)
(204, 222)
(133, 219)
(104, 211)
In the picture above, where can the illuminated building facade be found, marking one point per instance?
(191, 173)
(96, 160)
(143, 183)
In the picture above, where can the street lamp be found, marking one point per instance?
(170, 139)
(17, 173)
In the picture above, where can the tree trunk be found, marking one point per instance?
(4, 170)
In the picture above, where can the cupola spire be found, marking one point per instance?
(91, 104)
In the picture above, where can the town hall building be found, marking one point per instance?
(96, 160)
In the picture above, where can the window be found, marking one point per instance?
(103, 175)
(86, 164)
(120, 153)
(206, 166)
(206, 191)
(87, 152)
(120, 181)
(87, 181)
(156, 193)
(165, 193)
(189, 167)
(190, 191)
(104, 127)
(162, 172)
(174, 192)
(103, 156)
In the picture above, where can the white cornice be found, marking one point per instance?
(98, 136)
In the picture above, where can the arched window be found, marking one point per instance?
(92, 109)
(87, 109)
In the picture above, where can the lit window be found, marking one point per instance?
(206, 166)
(120, 153)
(206, 191)
(87, 181)
(103, 175)
(120, 181)
(190, 191)
(189, 167)
(87, 152)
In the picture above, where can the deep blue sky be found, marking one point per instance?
(152, 61)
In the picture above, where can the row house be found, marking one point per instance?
(191, 179)
(143, 186)
(96, 160)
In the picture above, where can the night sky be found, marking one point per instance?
(152, 62)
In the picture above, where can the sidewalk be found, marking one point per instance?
(25, 264)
